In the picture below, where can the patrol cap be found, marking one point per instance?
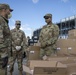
(48, 15)
(18, 22)
(5, 6)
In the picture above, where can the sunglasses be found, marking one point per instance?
(18, 24)
(46, 17)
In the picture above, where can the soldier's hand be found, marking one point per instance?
(24, 55)
(18, 48)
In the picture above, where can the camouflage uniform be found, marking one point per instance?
(47, 38)
(18, 39)
(5, 41)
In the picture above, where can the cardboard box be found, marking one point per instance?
(72, 34)
(34, 52)
(50, 74)
(64, 43)
(72, 37)
(63, 60)
(55, 66)
(37, 44)
(70, 62)
(71, 69)
(58, 58)
(69, 51)
(42, 63)
(72, 51)
(62, 51)
(50, 71)
(47, 67)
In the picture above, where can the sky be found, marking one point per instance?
(31, 12)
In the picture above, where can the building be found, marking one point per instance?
(65, 25)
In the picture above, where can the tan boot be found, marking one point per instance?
(20, 73)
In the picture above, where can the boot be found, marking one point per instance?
(20, 73)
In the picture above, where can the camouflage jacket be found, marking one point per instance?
(18, 38)
(5, 38)
(48, 35)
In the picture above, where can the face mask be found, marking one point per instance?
(9, 16)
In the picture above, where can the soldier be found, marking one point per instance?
(5, 38)
(28, 40)
(18, 46)
(48, 37)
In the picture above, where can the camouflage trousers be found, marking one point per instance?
(3, 66)
(3, 62)
(48, 51)
(16, 55)
(3, 71)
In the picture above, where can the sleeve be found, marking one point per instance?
(41, 39)
(41, 36)
(24, 43)
(10, 46)
(13, 44)
(2, 45)
(1, 33)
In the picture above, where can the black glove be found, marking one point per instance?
(5, 62)
(24, 55)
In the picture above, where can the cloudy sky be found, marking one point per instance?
(31, 12)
